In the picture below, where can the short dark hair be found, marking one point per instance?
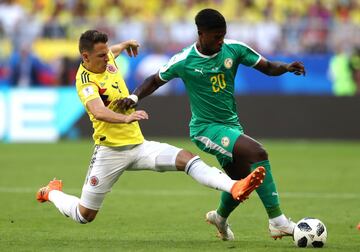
(89, 38)
(210, 19)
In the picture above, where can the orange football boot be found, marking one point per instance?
(43, 194)
(244, 187)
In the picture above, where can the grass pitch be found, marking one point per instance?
(149, 211)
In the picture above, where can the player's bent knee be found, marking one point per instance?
(90, 218)
(183, 158)
(262, 154)
(87, 214)
(185, 155)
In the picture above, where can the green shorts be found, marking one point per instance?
(218, 140)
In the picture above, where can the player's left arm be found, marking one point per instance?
(131, 47)
(274, 68)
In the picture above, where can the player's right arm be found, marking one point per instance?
(102, 113)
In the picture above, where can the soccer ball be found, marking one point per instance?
(310, 232)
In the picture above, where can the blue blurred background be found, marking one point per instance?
(39, 39)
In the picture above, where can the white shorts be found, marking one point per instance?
(108, 163)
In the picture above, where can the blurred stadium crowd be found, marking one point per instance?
(38, 38)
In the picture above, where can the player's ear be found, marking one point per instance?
(85, 56)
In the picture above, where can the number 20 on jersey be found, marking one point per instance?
(218, 82)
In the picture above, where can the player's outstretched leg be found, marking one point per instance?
(68, 205)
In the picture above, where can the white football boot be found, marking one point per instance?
(223, 227)
(280, 231)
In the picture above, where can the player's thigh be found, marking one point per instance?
(246, 152)
(249, 150)
(218, 140)
(106, 166)
(155, 156)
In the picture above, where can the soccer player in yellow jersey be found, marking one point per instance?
(119, 143)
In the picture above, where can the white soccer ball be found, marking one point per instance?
(310, 232)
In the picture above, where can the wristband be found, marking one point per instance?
(134, 98)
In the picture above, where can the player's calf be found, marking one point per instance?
(208, 176)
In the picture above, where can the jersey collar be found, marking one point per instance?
(87, 70)
(203, 55)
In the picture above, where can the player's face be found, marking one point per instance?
(97, 59)
(212, 41)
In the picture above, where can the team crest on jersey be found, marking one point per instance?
(111, 68)
(225, 141)
(228, 62)
(94, 181)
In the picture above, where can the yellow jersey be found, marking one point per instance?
(109, 86)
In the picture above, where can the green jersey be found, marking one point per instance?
(209, 80)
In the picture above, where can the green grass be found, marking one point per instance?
(148, 211)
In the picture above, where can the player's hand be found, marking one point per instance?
(132, 47)
(296, 67)
(125, 104)
(136, 116)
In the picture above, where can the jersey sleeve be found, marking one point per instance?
(88, 92)
(246, 55)
(172, 69)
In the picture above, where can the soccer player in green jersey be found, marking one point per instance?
(208, 68)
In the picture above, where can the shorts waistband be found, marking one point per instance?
(121, 148)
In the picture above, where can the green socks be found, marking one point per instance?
(227, 204)
(267, 193)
